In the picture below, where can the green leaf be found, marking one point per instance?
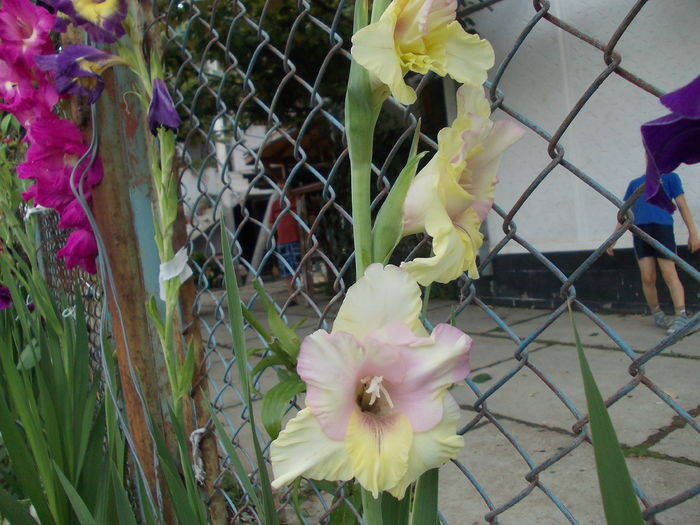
(388, 227)
(372, 508)
(425, 500)
(187, 371)
(29, 357)
(616, 489)
(275, 403)
(284, 334)
(236, 319)
(396, 511)
(13, 511)
(266, 362)
(81, 511)
(125, 513)
(154, 315)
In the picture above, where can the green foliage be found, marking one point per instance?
(249, 76)
(619, 500)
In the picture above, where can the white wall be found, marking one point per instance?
(545, 79)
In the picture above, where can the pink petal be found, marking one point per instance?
(433, 364)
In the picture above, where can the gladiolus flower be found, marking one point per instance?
(80, 250)
(24, 30)
(377, 406)
(161, 110)
(451, 196)
(5, 297)
(78, 70)
(421, 36)
(102, 19)
(24, 93)
(672, 140)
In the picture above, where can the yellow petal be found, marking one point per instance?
(378, 447)
(385, 294)
(375, 50)
(432, 448)
(472, 100)
(302, 449)
(96, 12)
(467, 57)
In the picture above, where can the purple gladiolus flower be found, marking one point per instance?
(672, 140)
(161, 110)
(78, 70)
(5, 297)
(102, 19)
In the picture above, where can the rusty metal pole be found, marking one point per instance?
(122, 209)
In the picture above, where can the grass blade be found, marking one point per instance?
(619, 500)
(236, 319)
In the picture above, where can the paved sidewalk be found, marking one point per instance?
(528, 419)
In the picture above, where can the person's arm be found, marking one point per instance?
(611, 248)
(693, 239)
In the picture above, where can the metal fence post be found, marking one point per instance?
(122, 209)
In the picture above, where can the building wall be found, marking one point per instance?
(564, 217)
(548, 75)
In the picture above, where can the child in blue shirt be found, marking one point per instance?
(658, 223)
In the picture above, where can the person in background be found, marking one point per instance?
(658, 223)
(287, 235)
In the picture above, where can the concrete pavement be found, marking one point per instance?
(529, 420)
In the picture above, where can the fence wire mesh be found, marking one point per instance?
(261, 84)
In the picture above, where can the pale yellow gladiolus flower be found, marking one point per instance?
(451, 196)
(420, 36)
(377, 405)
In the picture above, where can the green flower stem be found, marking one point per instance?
(371, 508)
(362, 106)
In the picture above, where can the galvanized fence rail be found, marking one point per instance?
(260, 84)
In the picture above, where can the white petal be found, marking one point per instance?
(175, 267)
(302, 449)
(385, 294)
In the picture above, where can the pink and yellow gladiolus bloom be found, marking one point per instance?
(451, 196)
(377, 406)
(420, 36)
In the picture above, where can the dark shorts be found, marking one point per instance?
(291, 257)
(663, 233)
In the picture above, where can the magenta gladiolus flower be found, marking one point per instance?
(161, 110)
(102, 19)
(672, 140)
(24, 30)
(5, 297)
(377, 406)
(80, 250)
(24, 93)
(78, 70)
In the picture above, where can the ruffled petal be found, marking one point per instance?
(303, 449)
(484, 165)
(433, 364)
(467, 57)
(454, 252)
(374, 49)
(422, 195)
(379, 449)
(383, 295)
(684, 101)
(433, 448)
(471, 100)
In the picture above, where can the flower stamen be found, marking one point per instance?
(375, 389)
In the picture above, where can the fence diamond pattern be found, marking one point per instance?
(261, 84)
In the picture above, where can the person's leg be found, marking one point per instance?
(675, 287)
(647, 269)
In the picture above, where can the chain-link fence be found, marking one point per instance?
(261, 86)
